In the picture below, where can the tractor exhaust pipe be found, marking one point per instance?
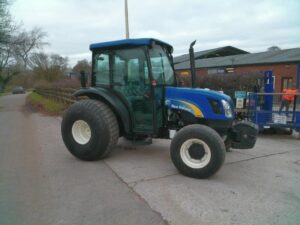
(192, 63)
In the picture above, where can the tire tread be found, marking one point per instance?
(206, 134)
(101, 112)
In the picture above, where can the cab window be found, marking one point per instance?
(101, 69)
(162, 70)
(130, 66)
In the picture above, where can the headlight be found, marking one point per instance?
(227, 109)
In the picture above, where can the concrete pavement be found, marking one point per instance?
(259, 186)
(41, 183)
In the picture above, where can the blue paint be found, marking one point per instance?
(297, 114)
(198, 97)
(181, 105)
(268, 76)
(262, 115)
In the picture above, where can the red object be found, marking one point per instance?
(289, 95)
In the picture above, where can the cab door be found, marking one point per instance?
(162, 75)
(130, 78)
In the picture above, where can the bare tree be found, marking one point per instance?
(6, 29)
(48, 67)
(5, 23)
(15, 52)
(25, 42)
(16, 45)
(82, 65)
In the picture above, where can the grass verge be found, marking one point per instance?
(39, 103)
(4, 94)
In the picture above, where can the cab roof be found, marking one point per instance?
(129, 42)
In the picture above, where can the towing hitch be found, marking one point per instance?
(243, 135)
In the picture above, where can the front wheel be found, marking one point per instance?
(197, 151)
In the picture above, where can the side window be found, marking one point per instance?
(119, 70)
(287, 82)
(101, 69)
(157, 66)
(129, 66)
(162, 70)
(133, 70)
(146, 73)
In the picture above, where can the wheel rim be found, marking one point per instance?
(81, 132)
(193, 162)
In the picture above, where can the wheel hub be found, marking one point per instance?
(81, 132)
(196, 151)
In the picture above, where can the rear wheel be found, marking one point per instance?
(89, 130)
(197, 151)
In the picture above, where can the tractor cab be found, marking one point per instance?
(137, 71)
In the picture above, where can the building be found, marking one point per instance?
(211, 53)
(283, 63)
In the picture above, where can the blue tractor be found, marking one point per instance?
(134, 94)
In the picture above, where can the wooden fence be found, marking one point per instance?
(58, 94)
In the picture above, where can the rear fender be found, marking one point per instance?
(114, 102)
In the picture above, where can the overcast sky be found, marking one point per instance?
(253, 25)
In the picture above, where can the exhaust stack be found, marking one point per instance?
(192, 63)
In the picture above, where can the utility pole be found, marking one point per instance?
(126, 20)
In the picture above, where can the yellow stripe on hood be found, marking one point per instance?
(196, 110)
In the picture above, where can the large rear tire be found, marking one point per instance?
(89, 130)
(197, 151)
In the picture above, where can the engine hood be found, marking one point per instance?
(197, 101)
(191, 93)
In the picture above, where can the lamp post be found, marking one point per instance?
(126, 20)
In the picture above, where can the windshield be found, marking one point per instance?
(162, 70)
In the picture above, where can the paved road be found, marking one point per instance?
(41, 183)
